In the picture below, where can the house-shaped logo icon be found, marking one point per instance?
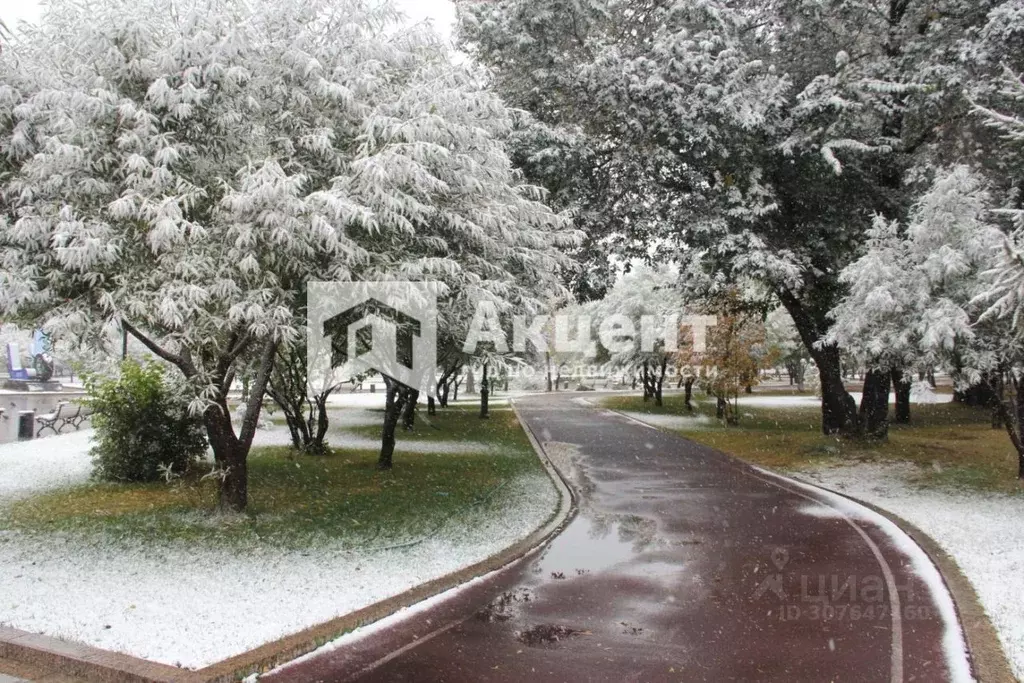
(360, 329)
(387, 327)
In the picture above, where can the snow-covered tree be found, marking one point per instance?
(759, 138)
(194, 166)
(877, 321)
(783, 342)
(618, 322)
(937, 290)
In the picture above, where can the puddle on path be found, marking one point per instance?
(588, 547)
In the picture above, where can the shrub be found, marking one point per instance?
(143, 426)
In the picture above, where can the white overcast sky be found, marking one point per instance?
(441, 12)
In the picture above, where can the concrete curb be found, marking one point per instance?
(102, 666)
(988, 659)
(85, 662)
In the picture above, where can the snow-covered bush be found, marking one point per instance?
(922, 392)
(144, 431)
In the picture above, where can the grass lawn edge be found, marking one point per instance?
(94, 664)
(988, 659)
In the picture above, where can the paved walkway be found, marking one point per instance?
(682, 565)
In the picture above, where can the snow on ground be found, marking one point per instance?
(193, 605)
(982, 532)
(366, 400)
(695, 422)
(815, 402)
(355, 417)
(375, 401)
(27, 467)
(279, 436)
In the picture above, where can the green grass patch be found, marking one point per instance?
(953, 445)
(296, 500)
(455, 423)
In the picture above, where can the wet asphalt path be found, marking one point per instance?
(682, 564)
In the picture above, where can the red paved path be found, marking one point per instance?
(682, 565)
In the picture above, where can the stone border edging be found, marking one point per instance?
(988, 659)
(86, 662)
(103, 666)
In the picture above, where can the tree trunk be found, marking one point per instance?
(229, 457)
(1012, 411)
(688, 394)
(393, 404)
(901, 390)
(484, 396)
(997, 385)
(231, 452)
(874, 405)
(838, 409)
(318, 443)
(1018, 427)
(470, 382)
(409, 410)
(431, 408)
(547, 363)
(297, 427)
(646, 382)
(720, 408)
(660, 383)
(306, 416)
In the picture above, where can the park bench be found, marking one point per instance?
(78, 417)
(65, 414)
(50, 420)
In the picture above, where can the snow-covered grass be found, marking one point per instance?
(344, 439)
(28, 467)
(148, 571)
(982, 532)
(682, 422)
(956, 444)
